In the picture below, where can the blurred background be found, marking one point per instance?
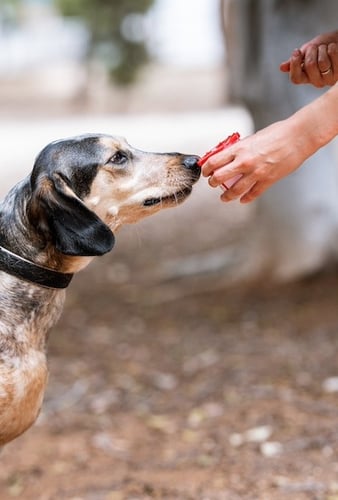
(198, 359)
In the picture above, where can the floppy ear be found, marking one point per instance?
(74, 228)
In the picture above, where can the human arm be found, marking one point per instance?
(316, 62)
(275, 151)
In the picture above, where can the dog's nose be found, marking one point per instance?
(191, 162)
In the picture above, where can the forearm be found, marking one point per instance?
(317, 123)
(275, 151)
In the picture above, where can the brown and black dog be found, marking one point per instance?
(81, 190)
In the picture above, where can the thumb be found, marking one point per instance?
(285, 66)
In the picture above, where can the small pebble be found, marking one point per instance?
(258, 434)
(236, 439)
(254, 435)
(271, 449)
(330, 384)
(165, 381)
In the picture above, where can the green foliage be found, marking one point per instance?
(12, 3)
(9, 12)
(116, 32)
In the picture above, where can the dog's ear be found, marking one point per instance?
(73, 228)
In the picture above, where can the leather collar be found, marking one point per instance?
(22, 268)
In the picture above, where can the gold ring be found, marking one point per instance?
(326, 72)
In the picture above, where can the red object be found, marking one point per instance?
(222, 145)
(231, 139)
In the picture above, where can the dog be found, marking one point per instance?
(80, 191)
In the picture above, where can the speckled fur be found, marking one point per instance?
(80, 190)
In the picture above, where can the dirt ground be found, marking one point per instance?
(198, 394)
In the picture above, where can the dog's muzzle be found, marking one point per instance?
(191, 164)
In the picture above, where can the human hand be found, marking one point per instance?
(260, 159)
(316, 62)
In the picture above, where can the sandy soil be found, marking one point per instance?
(198, 394)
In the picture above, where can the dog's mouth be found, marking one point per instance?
(174, 198)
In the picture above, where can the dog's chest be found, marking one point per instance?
(27, 312)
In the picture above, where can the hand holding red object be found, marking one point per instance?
(231, 139)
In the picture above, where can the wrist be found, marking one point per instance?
(303, 135)
(317, 123)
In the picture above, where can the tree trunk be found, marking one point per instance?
(298, 217)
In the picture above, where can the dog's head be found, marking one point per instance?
(85, 187)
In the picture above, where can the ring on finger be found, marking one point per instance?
(326, 72)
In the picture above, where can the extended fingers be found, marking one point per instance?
(316, 64)
(221, 175)
(332, 50)
(311, 67)
(217, 161)
(241, 186)
(325, 65)
(324, 61)
(320, 64)
(297, 73)
(254, 192)
(285, 66)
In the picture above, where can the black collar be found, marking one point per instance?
(22, 268)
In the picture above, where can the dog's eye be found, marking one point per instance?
(119, 158)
